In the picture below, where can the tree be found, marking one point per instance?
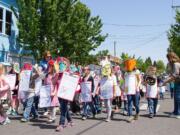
(140, 64)
(160, 67)
(174, 35)
(66, 25)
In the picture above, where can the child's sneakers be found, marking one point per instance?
(108, 120)
(24, 120)
(136, 117)
(9, 111)
(130, 119)
(178, 117)
(14, 112)
(51, 121)
(70, 124)
(59, 128)
(84, 118)
(7, 121)
(151, 115)
(45, 113)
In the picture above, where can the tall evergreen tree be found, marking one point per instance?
(174, 35)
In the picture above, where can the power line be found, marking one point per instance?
(136, 25)
(149, 41)
(140, 36)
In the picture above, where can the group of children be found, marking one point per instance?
(112, 87)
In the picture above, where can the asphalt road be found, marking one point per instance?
(162, 124)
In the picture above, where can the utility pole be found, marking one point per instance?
(114, 48)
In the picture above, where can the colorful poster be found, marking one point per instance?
(45, 96)
(106, 88)
(24, 80)
(86, 95)
(11, 80)
(68, 86)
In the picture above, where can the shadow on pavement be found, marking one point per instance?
(43, 126)
(91, 127)
(158, 115)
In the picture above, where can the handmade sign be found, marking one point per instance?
(96, 83)
(106, 88)
(68, 86)
(86, 95)
(24, 80)
(38, 84)
(11, 80)
(45, 96)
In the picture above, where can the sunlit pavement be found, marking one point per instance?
(162, 124)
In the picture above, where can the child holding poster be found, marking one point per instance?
(27, 89)
(4, 90)
(151, 91)
(88, 78)
(107, 89)
(13, 110)
(131, 88)
(61, 65)
(54, 99)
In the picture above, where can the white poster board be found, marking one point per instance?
(130, 84)
(106, 88)
(45, 96)
(68, 86)
(96, 83)
(86, 95)
(38, 85)
(24, 80)
(11, 80)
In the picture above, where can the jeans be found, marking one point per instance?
(29, 108)
(36, 102)
(86, 106)
(107, 103)
(133, 100)
(75, 105)
(172, 92)
(177, 98)
(125, 105)
(161, 94)
(97, 103)
(64, 112)
(152, 105)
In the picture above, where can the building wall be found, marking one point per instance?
(9, 48)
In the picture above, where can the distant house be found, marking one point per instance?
(9, 48)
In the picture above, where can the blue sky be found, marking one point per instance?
(138, 26)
